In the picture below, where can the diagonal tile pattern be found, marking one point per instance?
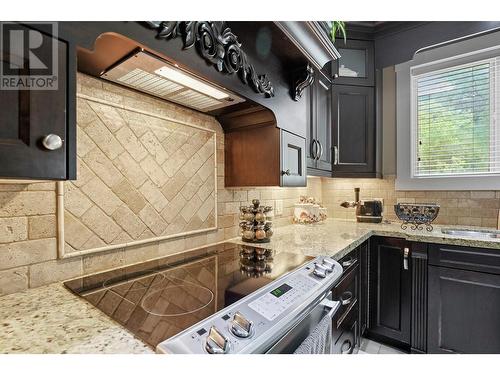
(139, 177)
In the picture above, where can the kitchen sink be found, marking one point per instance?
(471, 233)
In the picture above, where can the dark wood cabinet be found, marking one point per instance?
(356, 63)
(293, 160)
(29, 115)
(354, 135)
(464, 300)
(319, 132)
(463, 311)
(346, 325)
(390, 291)
(431, 298)
(363, 284)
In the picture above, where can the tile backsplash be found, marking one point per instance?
(474, 208)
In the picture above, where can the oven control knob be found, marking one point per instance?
(216, 342)
(320, 271)
(241, 326)
(328, 264)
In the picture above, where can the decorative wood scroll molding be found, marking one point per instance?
(218, 45)
(305, 81)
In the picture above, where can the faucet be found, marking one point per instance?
(349, 204)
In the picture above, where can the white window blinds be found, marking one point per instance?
(455, 120)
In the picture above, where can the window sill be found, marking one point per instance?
(448, 183)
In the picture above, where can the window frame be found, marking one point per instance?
(469, 50)
(493, 83)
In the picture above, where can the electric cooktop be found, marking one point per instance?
(157, 299)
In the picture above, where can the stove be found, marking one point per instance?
(157, 299)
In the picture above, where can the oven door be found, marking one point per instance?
(295, 336)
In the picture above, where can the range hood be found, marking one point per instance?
(148, 73)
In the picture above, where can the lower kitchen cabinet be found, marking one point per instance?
(431, 298)
(463, 311)
(464, 300)
(390, 291)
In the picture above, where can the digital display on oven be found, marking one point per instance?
(279, 291)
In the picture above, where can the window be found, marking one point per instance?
(454, 120)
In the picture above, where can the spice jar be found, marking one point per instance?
(260, 233)
(269, 231)
(247, 231)
(246, 213)
(260, 216)
(268, 212)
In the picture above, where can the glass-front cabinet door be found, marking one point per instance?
(356, 63)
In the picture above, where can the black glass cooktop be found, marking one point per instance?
(157, 299)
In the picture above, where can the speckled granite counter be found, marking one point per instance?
(336, 237)
(51, 319)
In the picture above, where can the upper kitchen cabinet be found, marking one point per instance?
(356, 63)
(354, 133)
(257, 153)
(37, 126)
(319, 132)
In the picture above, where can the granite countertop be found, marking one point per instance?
(51, 319)
(336, 237)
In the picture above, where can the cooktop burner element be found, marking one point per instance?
(157, 299)
(177, 300)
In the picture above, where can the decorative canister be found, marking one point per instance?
(308, 211)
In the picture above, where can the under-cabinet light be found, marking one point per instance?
(183, 79)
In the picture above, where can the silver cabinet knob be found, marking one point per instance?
(216, 343)
(52, 142)
(241, 326)
(287, 172)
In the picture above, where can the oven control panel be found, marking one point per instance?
(254, 323)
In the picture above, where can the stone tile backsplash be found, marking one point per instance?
(468, 208)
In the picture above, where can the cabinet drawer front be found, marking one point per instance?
(466, 258)
(346, 291)
(344, 334)
(463, 311)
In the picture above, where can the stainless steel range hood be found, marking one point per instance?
(150, 74)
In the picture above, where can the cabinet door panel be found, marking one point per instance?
(293, 160)
(29, 115)
(390, 290)
(354, 130)
(311, 144)
(463, 311)
(324, 123)
(356, 63)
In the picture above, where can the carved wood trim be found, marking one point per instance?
(306, 80)
(217, 44)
